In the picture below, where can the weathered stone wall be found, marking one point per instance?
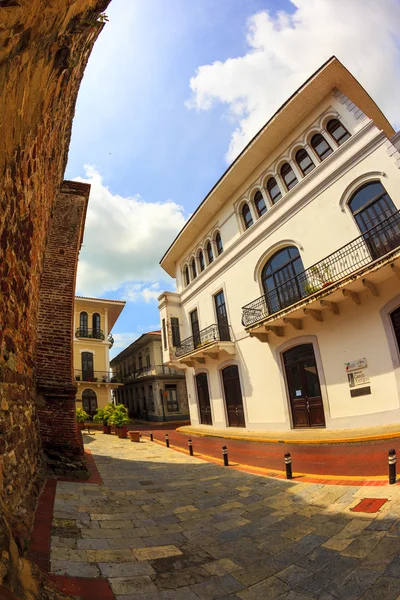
(44, 47)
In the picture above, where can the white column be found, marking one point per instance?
(312, 154)
(266, 197)
(296, 170)
(280, 183)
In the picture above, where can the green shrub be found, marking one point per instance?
(119, 417)
(103, 415)
(81, 415)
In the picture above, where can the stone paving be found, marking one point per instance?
(166, 526)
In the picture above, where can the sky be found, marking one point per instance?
(173, 91)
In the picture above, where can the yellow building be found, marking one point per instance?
(94, 319)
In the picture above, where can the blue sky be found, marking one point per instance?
(172, 92)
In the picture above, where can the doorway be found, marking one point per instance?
(203, 397)
(303, 387)
(89, 401)
(233, 396)
(222, 317)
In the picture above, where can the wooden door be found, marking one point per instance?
(87, 366)
(304, 387)
(194, 320)
(233, 396)
(89, 402)
(222, 317)
(204, 399)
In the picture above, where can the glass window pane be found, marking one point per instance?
(273, 190)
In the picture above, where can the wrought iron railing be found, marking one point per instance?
(95, 334)
(96, 376)
(365, 249)
(209, 335)
(153, 370)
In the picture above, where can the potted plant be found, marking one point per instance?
(120, 419)
(103, 416)
(81, 417)
(77, 377)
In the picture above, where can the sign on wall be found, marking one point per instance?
(358, 377)
(353, 365)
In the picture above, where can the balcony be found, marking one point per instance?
(342, 273)
(96, 377)
(94, 334)
(211, 342)
(152, 371)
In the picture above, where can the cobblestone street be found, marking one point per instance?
(166, 526)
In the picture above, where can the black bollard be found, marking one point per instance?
(392, 465)
(190, 444)
(225, 456)
(288, 465)
(151, 436)
(167, 440)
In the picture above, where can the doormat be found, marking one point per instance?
(369, 505)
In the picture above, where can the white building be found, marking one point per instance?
(287, 310)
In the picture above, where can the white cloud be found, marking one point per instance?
(135, 292)
(286, 48)
(124, 240)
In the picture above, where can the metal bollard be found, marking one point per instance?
(392, 465)
(167, 440)
(190, 444)
(288, 465)
(151, 436)
(225, 456)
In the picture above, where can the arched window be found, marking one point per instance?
(201, 261)
(194, 269)
(247, 218)
(89, 401)
(279, 280)
(288, 176)
(260, 204)
(96, 325)
(83, 322)
(337, 131)
(186, 275)
(273, 190)
(304, 161)
(321, 146)
(218, 243)
(372, 208)
(210, 255)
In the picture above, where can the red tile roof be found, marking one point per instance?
(101, 299)
(153, 332)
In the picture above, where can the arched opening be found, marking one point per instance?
(87, 366)
(233, 396)
(303, 387)
(201, 261)
(218, 243)
(83, 323)
(273, 190)
(260, 204)
(376, 217)
(203, 397)
(288, 176)
(247, 217)
(194, 269)
(337, 131)
(279, 279)
(186, 275)
(89, 401)
(96, 325)
(304, 161)
(210, 255)
(321, 146)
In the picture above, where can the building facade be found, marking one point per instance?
(287, 310)
(152, 391)
(94, 319)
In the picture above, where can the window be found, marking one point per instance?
(304, 161)
(273, 190)
(247, 218)
(288, 176)
(194, 270)
(83, 322)
(148, 360)
(218, 243)
(222, 317)
(210, 254)
(321, 146)
(337, 131)
(279, 279)
(140, 362)
(89, 401)
(372, 208)
(172, 398)
(260, 204)
(186, 275)
(176, 336)
(395, 317)
(194, 321)
(87, 366)
(164, 334)
(201, 261)
(96, 325)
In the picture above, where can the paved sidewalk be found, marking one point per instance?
(165, 526)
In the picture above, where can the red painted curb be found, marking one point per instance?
(85, 589)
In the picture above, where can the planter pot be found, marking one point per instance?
(327, 283)
(106, 428)
(135, 436)
(122, 432)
